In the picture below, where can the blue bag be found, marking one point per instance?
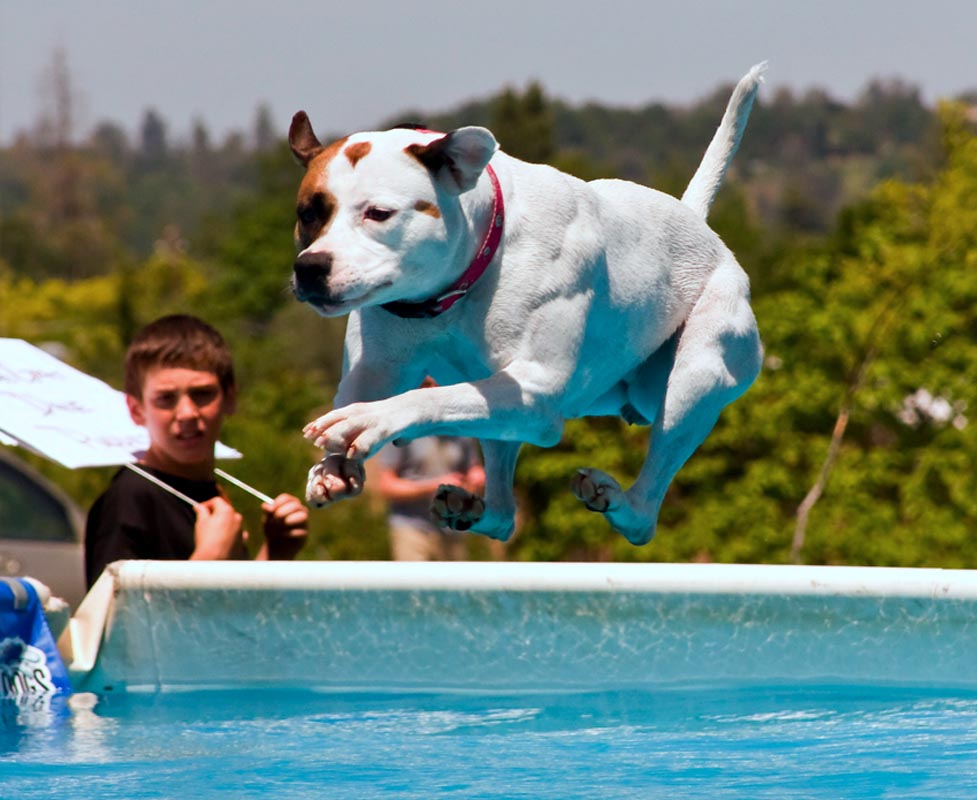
(30, 664)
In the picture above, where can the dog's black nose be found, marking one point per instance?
(311, 270)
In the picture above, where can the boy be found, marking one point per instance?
(179, 384)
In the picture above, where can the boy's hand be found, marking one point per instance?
(217, 533)
(285, 531)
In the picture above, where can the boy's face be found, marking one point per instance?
(182, 409)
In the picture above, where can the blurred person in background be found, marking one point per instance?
(408, 476)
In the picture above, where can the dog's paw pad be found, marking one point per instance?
(334, 478)
(454, 508)
(597, 490)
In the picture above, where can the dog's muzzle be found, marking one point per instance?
(309, 274)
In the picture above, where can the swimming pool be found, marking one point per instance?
(688, 742)
(505, 681)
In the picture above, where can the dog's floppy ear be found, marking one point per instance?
(457, 158)
(302, 139)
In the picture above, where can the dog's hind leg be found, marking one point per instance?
(460, 510)
(717, 357)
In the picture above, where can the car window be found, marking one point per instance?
(29, 510)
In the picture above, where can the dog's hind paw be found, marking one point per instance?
(334, 478)
(455, 508)
(597, 490)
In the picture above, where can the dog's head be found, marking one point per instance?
(380, 214)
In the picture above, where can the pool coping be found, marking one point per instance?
(562, 576)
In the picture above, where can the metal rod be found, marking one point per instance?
(161, 484)
(242, 485)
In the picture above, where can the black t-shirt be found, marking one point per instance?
(135, 518)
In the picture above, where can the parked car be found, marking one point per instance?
(41, 531)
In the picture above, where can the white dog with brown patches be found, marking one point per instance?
(530, 296)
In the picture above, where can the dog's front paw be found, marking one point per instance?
(455, 508)
(597, 490)
(357, 430)
(334, 478)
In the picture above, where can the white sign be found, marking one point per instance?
(66, 415)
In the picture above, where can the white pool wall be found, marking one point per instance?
(490, 626)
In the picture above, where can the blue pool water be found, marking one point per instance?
(720, 741)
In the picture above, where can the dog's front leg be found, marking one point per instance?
(513, 405)
(339, 476)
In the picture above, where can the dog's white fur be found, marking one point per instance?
(605, 298)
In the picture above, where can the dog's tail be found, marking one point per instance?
(702, 188)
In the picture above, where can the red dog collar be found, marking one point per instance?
(438, 305)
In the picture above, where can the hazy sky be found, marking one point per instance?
(354, 64)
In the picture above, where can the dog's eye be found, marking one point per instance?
(377, 214)
(307, 215)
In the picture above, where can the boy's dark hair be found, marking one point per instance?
(178, 340)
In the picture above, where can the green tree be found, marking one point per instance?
(523, 124)
(252, 246)
(898, 306)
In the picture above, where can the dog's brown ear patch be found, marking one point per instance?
(357, 151)
(302, 139)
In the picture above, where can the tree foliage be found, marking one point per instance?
(865, 299)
